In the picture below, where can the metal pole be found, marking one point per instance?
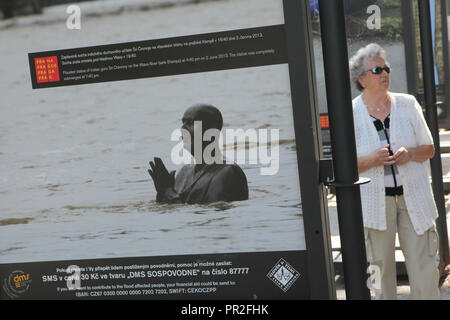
(432, 119)
(337, 79)
(304, 102)
(409, 40)
(445, 51)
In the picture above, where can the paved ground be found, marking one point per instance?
(403, 290)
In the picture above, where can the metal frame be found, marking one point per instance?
(444, 28)
(347, 181)
(409, 35)
(308, 140)
(320, 269)
(421, 94)
(409, 39)
(432, 119)
(444, 241)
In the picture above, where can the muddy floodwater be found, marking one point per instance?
(73, 160)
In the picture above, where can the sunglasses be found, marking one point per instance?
(379, 70)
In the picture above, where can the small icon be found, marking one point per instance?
(283, 275)
(17, 283)
(47, 69)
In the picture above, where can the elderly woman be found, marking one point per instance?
(393, 146)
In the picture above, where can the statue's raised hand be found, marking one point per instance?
(163, 180)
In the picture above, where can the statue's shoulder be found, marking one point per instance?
(236, 168)
(229, 171)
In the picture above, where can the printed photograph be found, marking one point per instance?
(198, 163)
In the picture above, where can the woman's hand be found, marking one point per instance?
(382, 157)
(402, 156)
(419, 154)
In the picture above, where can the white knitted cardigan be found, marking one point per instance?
(407, 129)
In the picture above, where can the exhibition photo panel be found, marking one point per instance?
(151, 154)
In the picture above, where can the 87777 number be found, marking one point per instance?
(239, 270)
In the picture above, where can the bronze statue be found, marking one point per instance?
(201, 182)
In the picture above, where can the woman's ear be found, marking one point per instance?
(361, 82)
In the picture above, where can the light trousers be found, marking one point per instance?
(419, 252)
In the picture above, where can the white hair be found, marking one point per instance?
(357, 63)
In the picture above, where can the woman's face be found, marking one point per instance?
(375, 82)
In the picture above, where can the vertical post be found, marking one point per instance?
(445, 53)
(432, 119)
(315, 214)
(337, 79)
(409, 39)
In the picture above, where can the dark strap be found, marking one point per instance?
(394, 191)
